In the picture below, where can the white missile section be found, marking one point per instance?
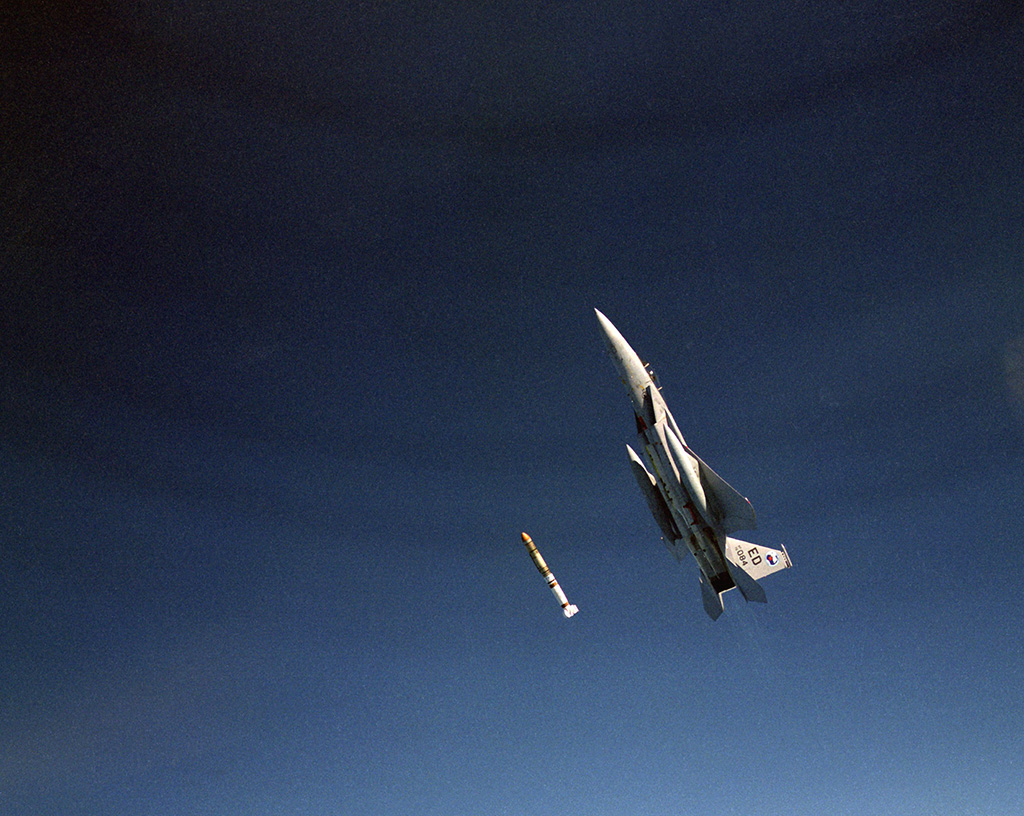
(568, 609)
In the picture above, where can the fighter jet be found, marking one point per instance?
(695, 508)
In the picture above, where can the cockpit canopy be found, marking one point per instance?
(650, 373)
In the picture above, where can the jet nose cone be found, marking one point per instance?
(631, 370)
(611, 334)
(616, 343)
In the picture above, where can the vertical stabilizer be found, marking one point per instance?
(755, 560)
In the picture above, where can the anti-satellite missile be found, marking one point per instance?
(568, 609)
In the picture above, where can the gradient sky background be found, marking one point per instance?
(298, 335)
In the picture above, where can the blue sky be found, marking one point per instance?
(299, 336)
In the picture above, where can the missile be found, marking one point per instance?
(568, 609)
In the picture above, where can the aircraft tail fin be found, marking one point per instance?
(754, 560)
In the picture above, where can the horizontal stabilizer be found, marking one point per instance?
(750, 589)
(755, 560)
(731, 509)
(712, 600)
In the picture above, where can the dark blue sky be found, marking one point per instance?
(298, 335)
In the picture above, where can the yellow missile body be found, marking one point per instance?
(568, 609)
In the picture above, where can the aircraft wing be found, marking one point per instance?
(731, 509)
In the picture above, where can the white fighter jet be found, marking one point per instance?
(694, 507)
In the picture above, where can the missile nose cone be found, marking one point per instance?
(526, 538)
